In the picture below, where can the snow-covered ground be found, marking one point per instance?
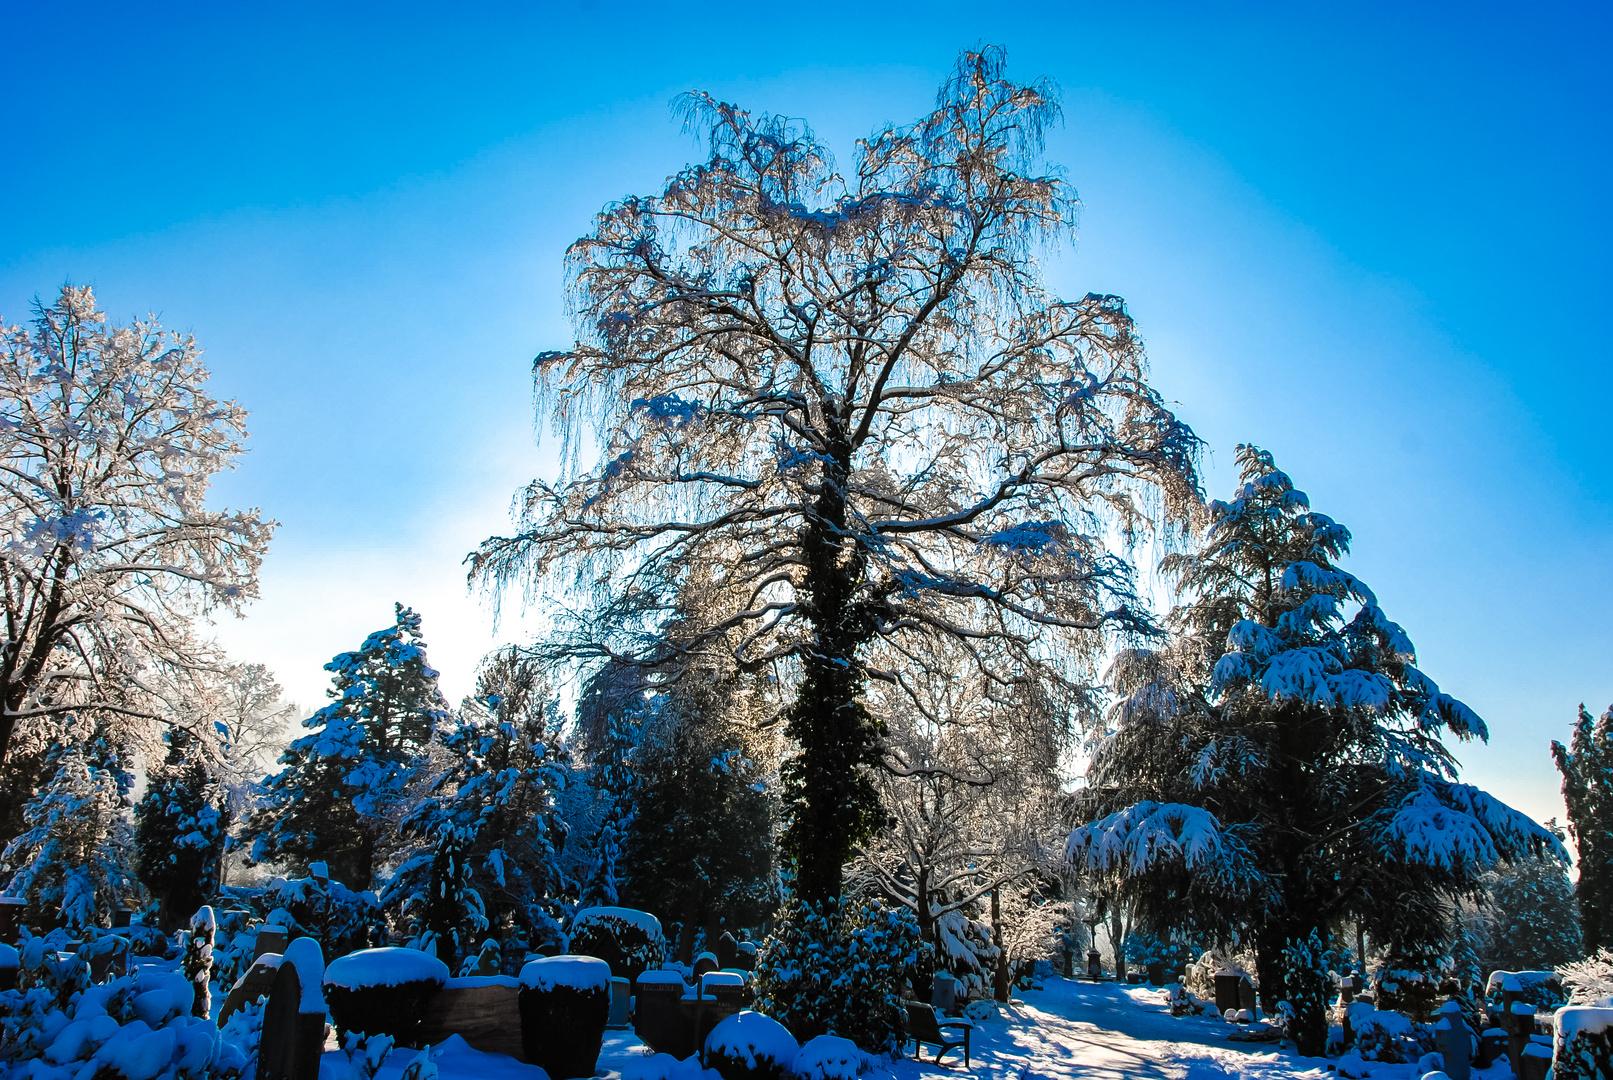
(1067, 1031)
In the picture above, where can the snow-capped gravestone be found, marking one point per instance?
(564, 1003)
(294, 1018)
(750, 1046)
(658, 1014)
(1454, 1041)
(1583, 1046)
(383, 991)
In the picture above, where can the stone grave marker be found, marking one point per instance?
(292, 1040)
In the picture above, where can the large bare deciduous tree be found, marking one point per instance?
(108, 441)
(850, 406)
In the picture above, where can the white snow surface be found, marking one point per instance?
(1068, 1031)
(454, 1058)
(1573, 1019)
(748, 1035)
(641, 919)
(577, 972)
(390, 965)
(662, 977)
(308, 958)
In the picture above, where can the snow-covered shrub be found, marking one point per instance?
(1590, 980)
(338, 917)
(565, 1005)
(1406, 990)
(1583, 1043)
(667, 1067)
(829, 1057)
(630, 941)
(365, 1055)
(965, 949)
(383, 991)
(826, 970)
(1385, 1036)
(750, 1046)
(136, 1027)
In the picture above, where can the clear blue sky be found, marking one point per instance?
(1372, 239)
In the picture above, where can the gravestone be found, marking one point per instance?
(727, 949)
(1453, 1041)
(292, 1040)
(271, 939)
(1246, 996)
(487, 1017)
(256, 983)
(621, 999)
(703, 963)
(658, 1017)
(1094, 964)
(944, 994)
(1227, 992)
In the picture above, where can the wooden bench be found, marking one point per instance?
(923, 1026)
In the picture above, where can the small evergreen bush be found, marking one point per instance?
(835, 969)
(629, 941)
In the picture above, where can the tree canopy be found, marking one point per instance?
(848, 404)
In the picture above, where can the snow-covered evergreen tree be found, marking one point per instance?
(1587, 768)
(76, 855)
(344, 783)
(1277, 767)
(496, 798)
(617, 712)
(179, 831)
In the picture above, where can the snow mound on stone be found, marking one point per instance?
(576, 972)
(641, 919)
(1352, 1067)
(1582, 1019)
(748, 1035)
(829, 1057)
(667, 1067)
(308, 959)
(389, 965)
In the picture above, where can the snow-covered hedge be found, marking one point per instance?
(565, 1005)
(627, 939)
(1542, 989)
(383, 991)
(1583, 1044)
(750, 1046)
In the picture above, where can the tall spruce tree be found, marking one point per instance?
(1587, 768)
(487, 831)
(342, 784)
(1276, 769)
(179, 831)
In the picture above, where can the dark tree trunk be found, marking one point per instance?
(832, 803)
(1000, 977)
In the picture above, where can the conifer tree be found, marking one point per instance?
(342, 783)
(495, 808)
(1276, 768)
(75, 855)
(1587, 769)
(179, 831)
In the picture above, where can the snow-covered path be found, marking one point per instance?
(1067, 1031)
(1108, 1032)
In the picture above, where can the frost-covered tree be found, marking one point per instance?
(343, 784)
(179, 831)
(502, 768)
(1587, 768)
(108, 441)
(1532, 923)
(848, 402)
(969, 783)
(76, 856)
(1277, 768)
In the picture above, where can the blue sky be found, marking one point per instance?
(1371, 239)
